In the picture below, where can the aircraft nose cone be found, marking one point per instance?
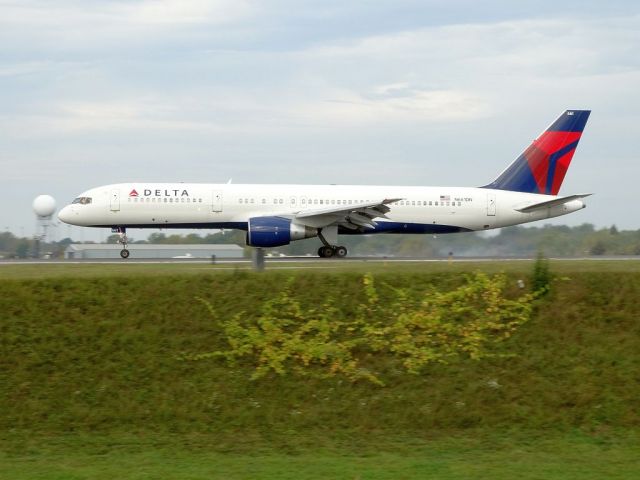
(66, 215)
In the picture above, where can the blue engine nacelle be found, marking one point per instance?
(276, 231)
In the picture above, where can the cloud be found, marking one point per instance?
(381, 105)
(81, 26)
(451, 73)
(183, 11)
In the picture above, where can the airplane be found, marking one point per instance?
(276, 215)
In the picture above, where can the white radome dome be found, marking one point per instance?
(44, 205)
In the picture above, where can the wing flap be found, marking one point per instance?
(375, 208)
(354, 216)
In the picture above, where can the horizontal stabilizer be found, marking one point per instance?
(551, 203)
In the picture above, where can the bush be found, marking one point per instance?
(414, 331)
(541, 277)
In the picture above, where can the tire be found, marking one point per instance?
(124, 253)
(327, 252)
(341, 252)
(321, 252)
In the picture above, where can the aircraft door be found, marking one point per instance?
(115, 200)
(216, 201)
(491, 204)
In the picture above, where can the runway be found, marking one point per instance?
(303, 260)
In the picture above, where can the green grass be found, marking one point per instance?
(560, 457)
(92, 384)
(100, 270)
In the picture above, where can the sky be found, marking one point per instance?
(360, 92)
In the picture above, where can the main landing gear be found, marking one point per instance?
(327, 250)
(122, 231)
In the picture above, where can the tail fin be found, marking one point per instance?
(542, 166)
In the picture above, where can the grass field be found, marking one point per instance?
(34, 271)
(559, 457)
(93, 384)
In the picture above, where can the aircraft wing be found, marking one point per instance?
(551, 203)
(357, 216)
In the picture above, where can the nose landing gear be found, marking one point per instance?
(122, 231)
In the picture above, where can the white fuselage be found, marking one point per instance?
(193, 205)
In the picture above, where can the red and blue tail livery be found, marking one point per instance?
(542, 166)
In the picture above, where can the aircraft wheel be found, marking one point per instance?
(321, 252)
(341, 252)
(326, 252)
(124, 253)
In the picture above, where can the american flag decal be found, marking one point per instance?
(445, 198)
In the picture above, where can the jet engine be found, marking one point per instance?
(276, 231)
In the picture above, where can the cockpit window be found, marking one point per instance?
(82, 200)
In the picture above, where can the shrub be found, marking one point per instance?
(415, 331)
(541, 277)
